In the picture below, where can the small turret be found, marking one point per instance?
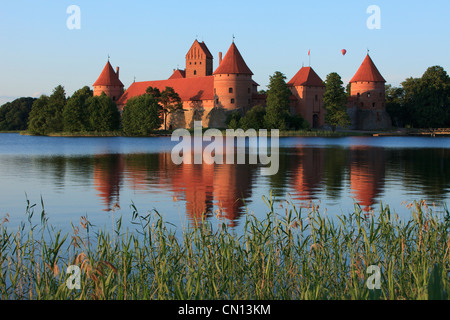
(109, 83)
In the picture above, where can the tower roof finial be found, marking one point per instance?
(233, 37)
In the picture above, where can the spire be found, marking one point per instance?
(108, 77)
(233, 63)
(368, 72)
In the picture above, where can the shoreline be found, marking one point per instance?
(441, 132)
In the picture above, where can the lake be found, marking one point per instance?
(101, 177)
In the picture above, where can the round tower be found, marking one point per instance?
(368, 87)
(109, 83)
(233, 82)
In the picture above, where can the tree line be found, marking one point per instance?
(421, 102)
(82, 112)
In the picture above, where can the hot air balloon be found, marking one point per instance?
(344, 52)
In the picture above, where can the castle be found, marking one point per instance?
(208, 95)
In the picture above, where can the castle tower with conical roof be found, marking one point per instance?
(367, 103)
(109, 83)
(233, 84)
(308, 88)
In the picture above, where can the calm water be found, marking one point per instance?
(96, 176)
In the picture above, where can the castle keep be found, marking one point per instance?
(209, 95)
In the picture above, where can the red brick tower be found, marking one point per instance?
(368, 86)
(308, 88)
(109, 83)
(199, 61)
(233, 84)
(367, 104)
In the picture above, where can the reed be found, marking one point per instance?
(290, 254)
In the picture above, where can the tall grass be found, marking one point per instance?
(295, 254)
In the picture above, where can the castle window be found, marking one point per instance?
(232, 101)
(195, 62)
(230, 90)
(114, 98)
(317, 97)
(368, 94)
(373, 105)
(358, 95)
(217, 101)
(200, 62)
(195, 72)
(249, 90)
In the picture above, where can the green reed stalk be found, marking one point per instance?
(289, 254)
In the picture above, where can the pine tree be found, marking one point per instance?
(278, 101)
(335, 101)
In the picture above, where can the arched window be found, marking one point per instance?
(195, 72)
(230, 90)
(232, 101)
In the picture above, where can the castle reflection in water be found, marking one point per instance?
(306, 174)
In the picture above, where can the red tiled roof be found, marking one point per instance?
(206, 50)
(189, 89)
(178, 74)
(203, 47)
(368, 72)
(233, 63)
(306, 76)
(108, 77)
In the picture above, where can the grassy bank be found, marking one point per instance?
(292, 255)
(162, 133)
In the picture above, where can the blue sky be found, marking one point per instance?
(148, 39)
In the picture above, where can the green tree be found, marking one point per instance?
(76, 113)
(141, 115)
(37, 120)
(254, 118)
(103, 114)
(14, 115)
(427, 99)
(394, 104)
(46, 113)
(233, 120)
(335, 102)
(278, 102)
(297, 122)
(168, 99)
